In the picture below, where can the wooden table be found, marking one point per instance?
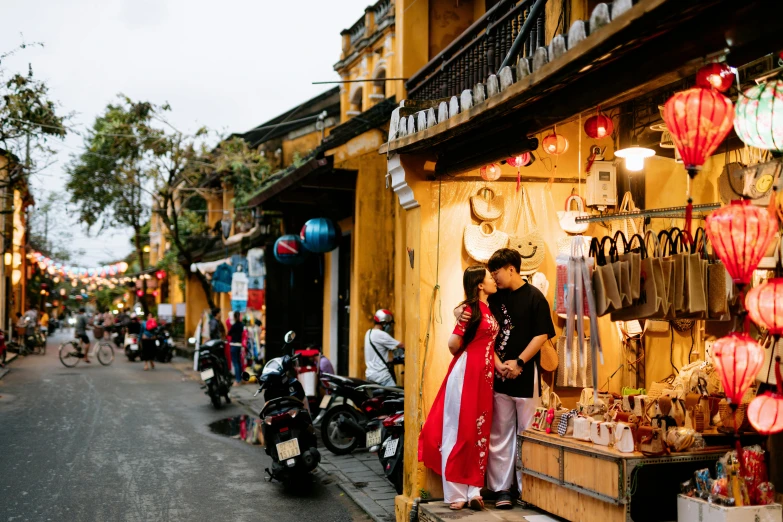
(585, 482)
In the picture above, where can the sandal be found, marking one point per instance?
(476, 503)
(456, 506)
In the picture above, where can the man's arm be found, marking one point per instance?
(527, 354)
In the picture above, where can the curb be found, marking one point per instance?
(9, 358)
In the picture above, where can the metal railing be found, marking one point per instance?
(477, 52)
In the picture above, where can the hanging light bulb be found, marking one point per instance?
(634, 157)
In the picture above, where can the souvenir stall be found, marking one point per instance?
(665, 317)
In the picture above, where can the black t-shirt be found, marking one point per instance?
(522, 315)
(236, 332)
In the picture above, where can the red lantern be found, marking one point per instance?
(764, 304)
(522, 160)
(716, 76)
(738, 358)
(555, 144)
(160, 274)
(598, 126)
(740, 234)
(140, 293)
(765, 412)
(490, 172)
(698, 120)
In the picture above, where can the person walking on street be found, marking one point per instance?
(378, 342)
(235, 340)
(80, 332)
(44, 322)
(148, 343)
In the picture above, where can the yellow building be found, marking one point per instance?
(471, 101)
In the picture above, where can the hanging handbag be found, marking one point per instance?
(673, 270)
(622, 270)
(651, 295)
(548, 360)
(570, 372)
(696, 304)
(487, 205)
(483, 240)
(607, 294)
(530, 244)
(633, 256)
(623, 438)
(561, 278)
(567, 217)
(628, 226)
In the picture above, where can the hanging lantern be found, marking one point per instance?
(521, 160)
(555, 144)
(123, 266)
(738, 358)
(765, 412)
(320, 235)
(740, 233)
(764, 304)
(718, 76)
(490, 172)
(598, 126)
(759, 116)
(289, 250)
(698, 119)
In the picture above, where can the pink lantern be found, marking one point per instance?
(764, 304)
(521, 160)
(490, 172)
(738, 358)
(740, 233)
(765, 412)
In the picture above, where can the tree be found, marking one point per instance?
(48, 232)
(111, 182)
(136, 163)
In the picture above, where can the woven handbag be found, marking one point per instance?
(487, 205)
(549, 360)
(483, 240)
(629, 226)
(530, 244)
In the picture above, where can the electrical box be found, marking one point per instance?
(601, 190)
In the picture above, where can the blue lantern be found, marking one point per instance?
(289, 250)
(320, 235)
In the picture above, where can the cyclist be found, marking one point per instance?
(44, 322)
(80, 331)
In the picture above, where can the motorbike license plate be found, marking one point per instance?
(391, 448)
(288, 449)
(134, 347)
(207, 374)
(325, 401)
(373, 438)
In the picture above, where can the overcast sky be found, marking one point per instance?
(228, 65)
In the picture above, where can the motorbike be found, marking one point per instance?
(392, 448)
(346, 412)
(164, 344)
(3, 349)
(131, 346)
(286, 423)
(214, 371)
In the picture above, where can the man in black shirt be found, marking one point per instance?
(525, 321)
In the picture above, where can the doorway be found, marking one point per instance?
(344, 305)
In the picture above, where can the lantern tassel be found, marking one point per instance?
(688, 218)
(519, 178)
(777, 375)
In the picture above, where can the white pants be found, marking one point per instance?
(453, 491)
(510, 417)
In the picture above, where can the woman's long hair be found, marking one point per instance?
(473, 276)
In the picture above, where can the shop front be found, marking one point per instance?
(533, 158)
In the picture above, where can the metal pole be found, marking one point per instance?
(519, 41)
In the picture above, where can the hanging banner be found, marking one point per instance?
(255, 261)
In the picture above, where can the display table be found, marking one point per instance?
(583, 481)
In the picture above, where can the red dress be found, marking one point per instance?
(467, 461)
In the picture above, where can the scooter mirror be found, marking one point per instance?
(289, 337)
(192, 340)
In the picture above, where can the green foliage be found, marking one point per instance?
(243, 168)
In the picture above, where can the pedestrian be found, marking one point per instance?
(324, 364)
(378, 342)
(235, 340)
(216, 329)
(454, 440)
(525, 320)
(148, 343)
(44, 322)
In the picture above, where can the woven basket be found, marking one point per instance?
(481, 244)
(487, 205)
(733, 421)
(657, 389)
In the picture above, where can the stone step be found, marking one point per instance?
(440, 512)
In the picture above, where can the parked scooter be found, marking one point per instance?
(214, 371)
(392, 448)
(164, 344)
(351, 405)
(131, 346)
(286, 423)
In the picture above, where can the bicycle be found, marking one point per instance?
(71, 352)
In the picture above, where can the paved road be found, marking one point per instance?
(96, 443)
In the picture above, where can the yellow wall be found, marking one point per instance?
(448, 20)
(197, 303)
(301, 145)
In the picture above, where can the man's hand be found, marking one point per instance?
(401, 346)
(512, 369)
(502, 369)
(460, 314)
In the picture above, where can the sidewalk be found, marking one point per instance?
(9, 357)
(359, 474)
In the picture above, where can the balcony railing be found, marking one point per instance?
(478, 52)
